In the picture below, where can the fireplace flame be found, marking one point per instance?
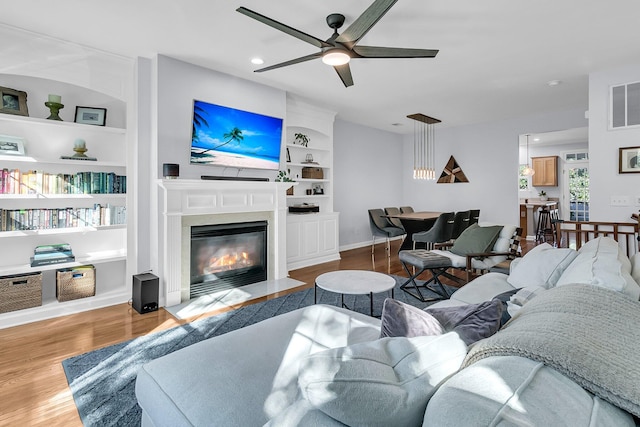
(227, 262)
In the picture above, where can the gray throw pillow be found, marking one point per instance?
(472, 322)
(476, 239)
(404, 320)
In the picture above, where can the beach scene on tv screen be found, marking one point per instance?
(223, 136)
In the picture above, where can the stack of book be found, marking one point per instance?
(52, 254)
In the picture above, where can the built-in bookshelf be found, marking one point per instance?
(312, 238)
(48, 200)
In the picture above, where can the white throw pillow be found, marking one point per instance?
(541, 266)
(601, 262)
(380, 383)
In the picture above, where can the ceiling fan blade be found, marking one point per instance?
(291, 62)
(284, 28)
(393, 52)
(364, 22)
(344, 71)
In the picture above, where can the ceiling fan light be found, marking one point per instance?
(335, 57)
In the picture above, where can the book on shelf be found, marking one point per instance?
(52, 255)
(57, 247)
(44, 219)
(50, 261)
(41, 182)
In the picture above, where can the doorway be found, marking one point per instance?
(576, 188)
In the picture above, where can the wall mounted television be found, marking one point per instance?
(224, 136)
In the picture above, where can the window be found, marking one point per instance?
(524, 182)
(625, 105)
(576, 157)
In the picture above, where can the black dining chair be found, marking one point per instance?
(382, 227)
(440, 232)
(474, 216)
(460, 223)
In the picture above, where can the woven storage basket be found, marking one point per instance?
(20, 291)
(313, 173)
(74, 283)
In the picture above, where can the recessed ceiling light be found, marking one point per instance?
(536, 139)
(257, 61)
(554, 82)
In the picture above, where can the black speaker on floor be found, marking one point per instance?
(145, 292)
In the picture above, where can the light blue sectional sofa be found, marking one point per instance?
(567, 357)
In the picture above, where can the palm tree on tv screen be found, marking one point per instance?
(198, 121)
(234, 135)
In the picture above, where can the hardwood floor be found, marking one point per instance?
(33, 387)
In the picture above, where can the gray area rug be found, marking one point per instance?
(103, 381)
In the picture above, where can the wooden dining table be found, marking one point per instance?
(415, 222)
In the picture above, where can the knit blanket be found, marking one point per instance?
(589, 334)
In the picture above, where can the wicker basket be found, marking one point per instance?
(312, 173)
(74, 283)
(20, 291)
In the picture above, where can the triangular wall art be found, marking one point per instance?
(452, 173)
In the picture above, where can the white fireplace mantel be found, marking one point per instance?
(194, 202)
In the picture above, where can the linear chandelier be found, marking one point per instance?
(424, 146)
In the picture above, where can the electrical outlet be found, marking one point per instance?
(619, 200)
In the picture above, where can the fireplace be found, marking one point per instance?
(225, 256)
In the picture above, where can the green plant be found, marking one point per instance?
(301, 139)
(283, 176)
(542, 193)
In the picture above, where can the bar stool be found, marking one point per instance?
(545, 231)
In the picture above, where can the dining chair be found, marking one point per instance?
(460, 223)
(474, 216)
(406, 209)
(381, 227)
(441, 231)
(395, 221)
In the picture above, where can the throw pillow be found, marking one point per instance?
(380, 383)
(403, 320)
(504, 299)
(472, 322)
(541, 266)
(476, 239)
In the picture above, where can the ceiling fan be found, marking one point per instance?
(339, 49)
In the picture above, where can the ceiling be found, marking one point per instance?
(495, 59)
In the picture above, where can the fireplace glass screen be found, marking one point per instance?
(227, 256)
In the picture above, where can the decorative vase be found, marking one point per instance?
(544, 198)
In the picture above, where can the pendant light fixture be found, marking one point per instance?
(528, 170)
(424, 146)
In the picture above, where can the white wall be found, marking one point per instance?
(367, 174)
(488, 155)
(605, 181)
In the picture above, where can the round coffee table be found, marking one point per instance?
(354, 282)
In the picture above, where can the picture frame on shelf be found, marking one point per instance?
(13, 101)
(318, 189)
(91, 116)
(629, 160)
(11, 145)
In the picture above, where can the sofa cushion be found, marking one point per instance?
(271, 362)
(476, 239)
(380, 383)
(482, 288)
(471, 322)
(601, 262)
(403, 320)
(541, 266)
(512, 390)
